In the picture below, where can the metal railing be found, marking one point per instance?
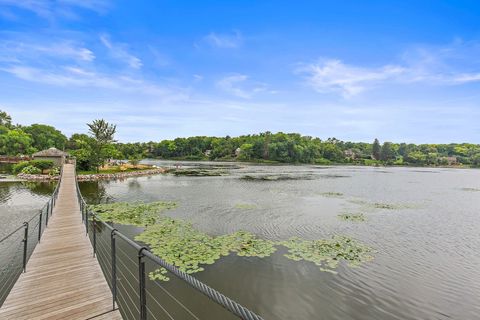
(17, 246)
(125, 264)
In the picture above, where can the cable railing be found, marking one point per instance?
(17, 246)
(125, 265)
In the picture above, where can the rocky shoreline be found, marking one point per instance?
(93, 177)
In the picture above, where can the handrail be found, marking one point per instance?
(43, 215)
(144, 252)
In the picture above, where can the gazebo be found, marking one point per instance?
(57, 156)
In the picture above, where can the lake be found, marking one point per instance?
(423, 224)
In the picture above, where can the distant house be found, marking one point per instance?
(57, 156)
(237, 152)
(349, 153)
(451, 160)
(208, 152)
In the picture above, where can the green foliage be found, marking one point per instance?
(45, 137)
(18, 167)
(178, 243)
(376, 149)
(328, 253)
(16, 142)
(54, 172)
(5, 119)
(31, 170)
(356, 217)
(42, 164)
(137, 213)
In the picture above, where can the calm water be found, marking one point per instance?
(427, 264)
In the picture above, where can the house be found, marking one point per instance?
(451, 160)
(350, 154)
(238, 151)
(57, 156)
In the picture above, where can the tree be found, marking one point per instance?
(5, 119)
(102, 131)
(45, 137)
(387, 153)
(16, 142)
(102, 134)
(376, 149)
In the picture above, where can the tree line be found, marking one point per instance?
(94, 148)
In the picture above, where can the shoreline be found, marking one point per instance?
(92, 177)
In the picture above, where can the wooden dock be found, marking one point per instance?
(63, 280)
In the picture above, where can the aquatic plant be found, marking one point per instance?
(245, 206)
(134, 213)
(178, 243)
(279, 177)
(198, 172)
(327, 253)
(332, 194)
(470, 189)
(357, 217)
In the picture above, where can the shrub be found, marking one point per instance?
(42, 164)
(31, 170)
(18, 167)
(54, 172)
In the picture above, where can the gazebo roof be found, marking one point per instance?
(52, 152)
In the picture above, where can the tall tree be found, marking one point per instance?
(5, 119)
(387, 153)
(102, 134)
(376, 148)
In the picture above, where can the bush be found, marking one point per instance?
(42, 164)
(54, 172)
(39, 164)
(31, 170)
(18, 167)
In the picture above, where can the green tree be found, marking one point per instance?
(387, 153)
(5, 119)
(100, 143)
(16, 142)
(45, 137)
(376, 149)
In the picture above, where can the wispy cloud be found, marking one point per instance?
(225, 40)
(60, 8)
(335, 76)
(22, 51)
(120, 52)
(237, 85)
(440, 66)
(69, 76)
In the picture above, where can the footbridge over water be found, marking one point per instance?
(64, 263)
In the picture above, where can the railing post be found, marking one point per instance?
(48, 207)
(114, 267)
(40, 225)
(25, 244)
(141, 279)
(86, 222)
(46, 216)
(94, 235)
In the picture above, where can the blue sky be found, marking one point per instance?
(355, 70)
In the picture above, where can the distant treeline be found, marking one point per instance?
(263, 147)
(295, 148)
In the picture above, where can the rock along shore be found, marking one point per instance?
(93, 177)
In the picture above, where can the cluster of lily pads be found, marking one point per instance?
(180, 244)
(356, 217)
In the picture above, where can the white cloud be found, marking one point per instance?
(433, 66)
(119, 52)
(74, 76)
(234, 40)
(237, 85)
(335, 76)
(61, 8)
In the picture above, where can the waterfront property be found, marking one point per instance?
(57, 156)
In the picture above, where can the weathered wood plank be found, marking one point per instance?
(63, 279)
